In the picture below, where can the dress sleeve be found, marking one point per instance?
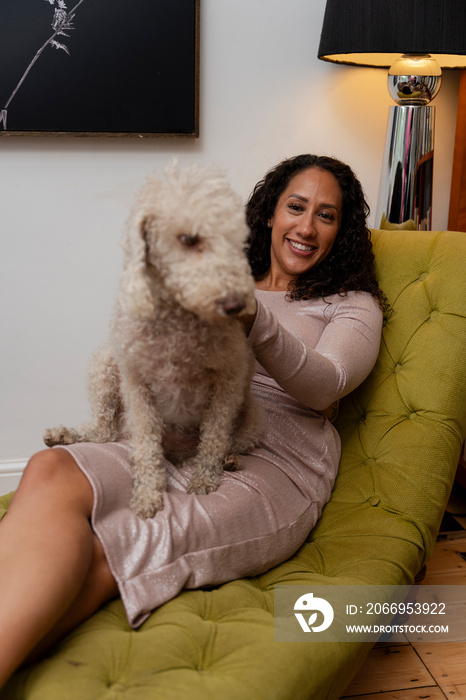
(341, 360)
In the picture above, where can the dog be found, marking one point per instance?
(177, 362)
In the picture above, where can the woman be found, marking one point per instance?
(70, 543)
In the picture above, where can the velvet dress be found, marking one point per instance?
(308, 355)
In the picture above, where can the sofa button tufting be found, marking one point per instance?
(116, 687)
(374, 501)
(412, 416)
(434, 315)
(397, 368)
(422, 277)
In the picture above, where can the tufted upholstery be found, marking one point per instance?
(401, 431)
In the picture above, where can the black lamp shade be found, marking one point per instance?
(376, 32)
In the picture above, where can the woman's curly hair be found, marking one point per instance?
(350, 264)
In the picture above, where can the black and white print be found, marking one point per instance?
(104, 67)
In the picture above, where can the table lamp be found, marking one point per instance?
(415, 39)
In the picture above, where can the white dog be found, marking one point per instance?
(177, 360)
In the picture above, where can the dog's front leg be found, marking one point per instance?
(214, 451)
(145, 427)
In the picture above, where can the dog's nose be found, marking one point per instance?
(232, 304)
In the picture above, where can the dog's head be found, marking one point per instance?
(185, 242)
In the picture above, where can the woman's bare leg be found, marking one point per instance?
(99, 587)
(52, 570)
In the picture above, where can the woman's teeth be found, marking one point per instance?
(301, 246)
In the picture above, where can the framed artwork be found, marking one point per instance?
(99, 68)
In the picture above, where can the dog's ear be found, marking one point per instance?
(138, 290)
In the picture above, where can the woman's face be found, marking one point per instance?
(305, 223)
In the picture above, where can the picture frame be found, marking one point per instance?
(121, 68)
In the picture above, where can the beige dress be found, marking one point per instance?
(316, 351)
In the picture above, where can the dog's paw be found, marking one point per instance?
(60, 436)
(146, 507)
(202, 487)
(230, 463)
(245, 444)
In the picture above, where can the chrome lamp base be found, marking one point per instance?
(405, 195)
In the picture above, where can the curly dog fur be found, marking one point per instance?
(177, 361)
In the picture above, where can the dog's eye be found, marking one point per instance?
(188, 239)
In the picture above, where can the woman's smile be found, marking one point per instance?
(301, 248)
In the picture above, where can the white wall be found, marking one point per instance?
(264, 96)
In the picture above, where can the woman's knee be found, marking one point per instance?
(56, 470)
(46, 465)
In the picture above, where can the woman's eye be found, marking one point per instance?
(327, 215)
(295, 207)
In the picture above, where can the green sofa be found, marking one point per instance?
(402, 432)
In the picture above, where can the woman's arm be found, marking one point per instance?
(342, 359)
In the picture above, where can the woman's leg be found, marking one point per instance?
(99, 587)
(52, 570)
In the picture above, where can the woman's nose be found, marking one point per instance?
(306, 225)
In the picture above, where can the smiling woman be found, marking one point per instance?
(304, 226)
(308, 230)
